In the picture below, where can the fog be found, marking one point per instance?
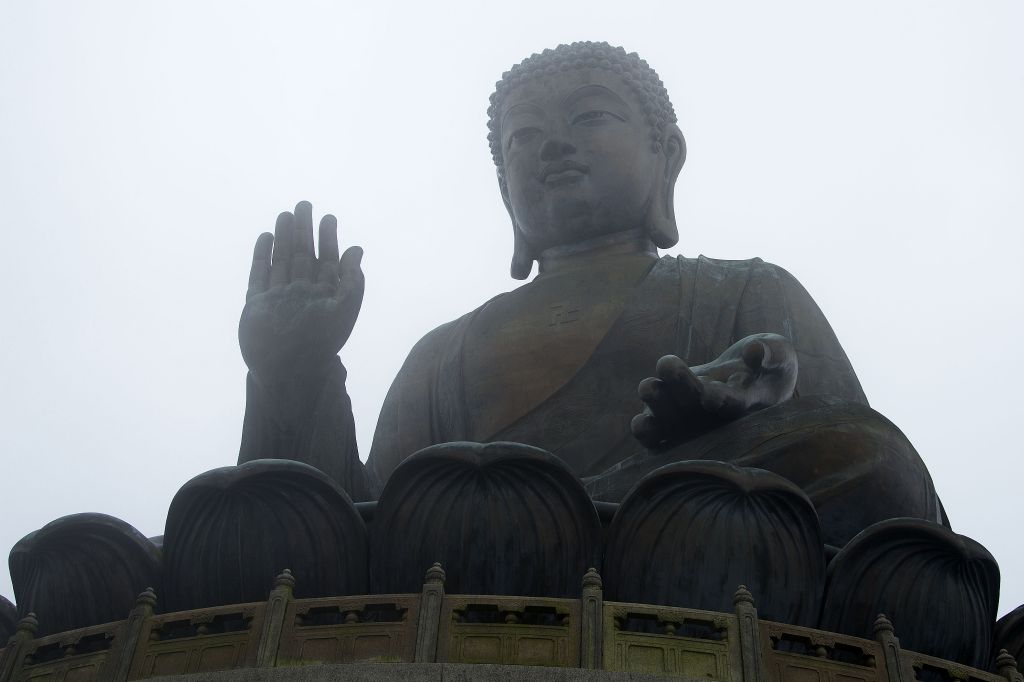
(873, 149)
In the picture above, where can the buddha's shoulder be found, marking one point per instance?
(442, 338)
(719, 268)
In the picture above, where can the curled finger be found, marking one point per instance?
(682, 385)
(645, 429)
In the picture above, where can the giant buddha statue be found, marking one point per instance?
(612, 358)
(600, 456)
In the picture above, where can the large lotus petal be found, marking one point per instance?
(938, 588)
(501, 518)
(689, 533)
(8, 619)
(231, 530)
(81, 570)
(1009, 633)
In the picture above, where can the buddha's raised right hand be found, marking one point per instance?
(299, 309)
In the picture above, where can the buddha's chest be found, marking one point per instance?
(523, 347)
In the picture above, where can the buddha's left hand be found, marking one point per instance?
(683, 402)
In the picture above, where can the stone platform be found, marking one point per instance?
(416, 672)
(437, 636)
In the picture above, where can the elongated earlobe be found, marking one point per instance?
(522, 254)
(661, 216)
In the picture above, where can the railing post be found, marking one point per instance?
(592, 635)
(1007, 666)
(430, 615)
(17, 647)
(890, 649)
(751, 658)
(273, 619)
(135, 628)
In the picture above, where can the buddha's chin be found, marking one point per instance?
(567, 206)
(569, 231)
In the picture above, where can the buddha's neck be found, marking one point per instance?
(568, 257)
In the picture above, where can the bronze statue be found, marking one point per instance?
(747, 369)
(509, 448)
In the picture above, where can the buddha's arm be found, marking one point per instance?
(300, 309)
(308, 420)
(775, 302)
(781, 347)
(409, 419)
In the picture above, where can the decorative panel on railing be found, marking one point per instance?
(931, 669)
(510, 631)
(350, 630)
(668, 641)
(204, 640)
(78, 655)
(794, 653)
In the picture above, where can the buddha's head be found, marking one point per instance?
(586, 145)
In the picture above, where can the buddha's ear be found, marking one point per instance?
(661, 216)
(522, 255)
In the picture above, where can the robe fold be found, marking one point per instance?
(693, 308)
(854, 464)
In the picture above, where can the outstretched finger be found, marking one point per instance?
(259, 273)
(328, 238)
(645, 429)
(302, 245)
(327, 263)
(279, 267)
(350, 271)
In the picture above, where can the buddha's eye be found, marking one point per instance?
(521, 135)
(595, 118)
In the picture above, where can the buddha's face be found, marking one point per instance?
(578, 157)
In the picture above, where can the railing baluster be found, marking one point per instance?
(17, 647)
(751, 658)
(273, 619)
(430, 615)
(592, 639)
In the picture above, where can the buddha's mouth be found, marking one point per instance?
(563, 173)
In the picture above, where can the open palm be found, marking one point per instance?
(300, 309)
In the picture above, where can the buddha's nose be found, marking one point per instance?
(555, 148)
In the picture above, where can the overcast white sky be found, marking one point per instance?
(873, 149)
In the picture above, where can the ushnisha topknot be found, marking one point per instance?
(638, 75)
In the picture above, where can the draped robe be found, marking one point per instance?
(855, 465)
(826, 438)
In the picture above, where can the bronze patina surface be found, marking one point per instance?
(587, 149)
(676, 425)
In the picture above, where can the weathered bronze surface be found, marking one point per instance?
(231, 530)
(923, 577)
(587, 150)
(502, 518)
(677, 424)
(81, 570)
(693, 530)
